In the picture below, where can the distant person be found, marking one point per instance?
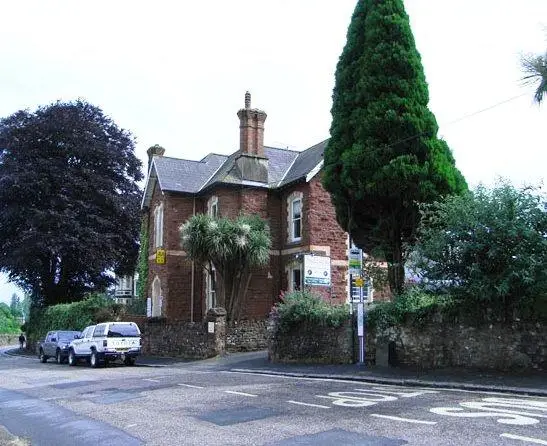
(21, 341)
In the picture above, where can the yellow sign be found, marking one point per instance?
(160, 256)
(359, 281)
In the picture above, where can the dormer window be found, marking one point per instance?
(158, 226)
(212, 207)
(296, 219)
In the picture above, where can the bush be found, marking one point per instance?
(301, 307)
(8, 323)
(489, 249)
(74, 316)
(414, 306)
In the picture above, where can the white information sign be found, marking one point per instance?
(316, 270)
(210, 327)
(355, 261)
(148, 307)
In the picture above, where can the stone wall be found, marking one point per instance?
(188, 340)
(246, 336)
(9, 339)
(520, 346)
(312, 344)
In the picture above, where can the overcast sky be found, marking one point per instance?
(175, 73)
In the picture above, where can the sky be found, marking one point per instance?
(175, 73)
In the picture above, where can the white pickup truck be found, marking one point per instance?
(106, 342)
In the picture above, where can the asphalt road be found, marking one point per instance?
(205, 404)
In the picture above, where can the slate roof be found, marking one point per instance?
(179, 175)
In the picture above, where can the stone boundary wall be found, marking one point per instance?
(9, 339)
(247, 336)
(188, 340)
(497, 347)
(309, 343)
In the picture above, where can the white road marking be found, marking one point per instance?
(130, 425)
(151, 380)
(191, 386)
(239, 393)
(408, 420)
(308, 404)
(52, 398)
(529, 439)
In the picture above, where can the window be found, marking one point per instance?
(295, 278)
(122, 331)
(212, 207)
(211, 288)
(158, 226)
(100, 330)
(294, 216)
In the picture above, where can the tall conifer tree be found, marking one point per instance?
(384, 156)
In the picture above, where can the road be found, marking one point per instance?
(205, 403)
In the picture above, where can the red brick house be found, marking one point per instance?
(280, 185)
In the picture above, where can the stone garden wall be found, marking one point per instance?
(312, 344)
(246, 336)
(9, 339)
(519, 346)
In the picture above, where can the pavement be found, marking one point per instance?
(523, 383)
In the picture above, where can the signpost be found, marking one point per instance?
(316, 270)
(355, 267)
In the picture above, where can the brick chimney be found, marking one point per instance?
(251, 129)
(251, 161)
(153, 151)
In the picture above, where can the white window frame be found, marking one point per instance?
(158, 226)
(291, 220)
(212, 207)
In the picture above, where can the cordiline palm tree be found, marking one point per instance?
(231, 248)
(535, 68)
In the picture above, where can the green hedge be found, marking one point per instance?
(74, 316)
(414, 306)
(300, 307)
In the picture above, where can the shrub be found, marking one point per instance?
(8, 323)
(414, 306)
(301, 307)
(74, 316)
(489, 249)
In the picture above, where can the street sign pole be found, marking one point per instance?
(361, 321)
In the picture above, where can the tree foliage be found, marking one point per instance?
(69, 200)
(230, 247)
(16, 306)
(8, 322)
(384, 156)
(535, 69)
(488, 248)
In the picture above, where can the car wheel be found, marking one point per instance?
(43, 358)
(94, 359)
(58, 357)
(71, 358)
(129, 361)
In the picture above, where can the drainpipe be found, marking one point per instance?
(193, 273)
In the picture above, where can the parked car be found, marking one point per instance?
(108, 341)
(55, 345)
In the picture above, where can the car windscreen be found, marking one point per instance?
(68, 335)
(122, 330)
